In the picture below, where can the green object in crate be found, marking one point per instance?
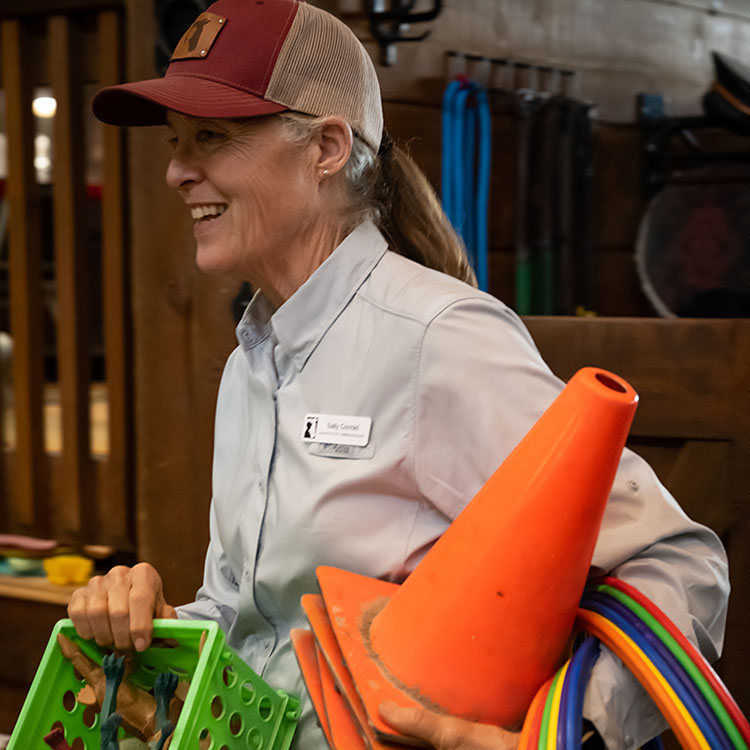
(227, 707)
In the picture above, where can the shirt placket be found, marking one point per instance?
(263, 409)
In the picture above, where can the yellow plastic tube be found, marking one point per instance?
(554, 717)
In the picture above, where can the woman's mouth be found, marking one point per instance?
(207, 212)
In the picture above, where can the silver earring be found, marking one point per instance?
(325, 173)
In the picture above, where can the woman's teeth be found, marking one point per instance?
(201, 212)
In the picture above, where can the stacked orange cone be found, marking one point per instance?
(484, 620)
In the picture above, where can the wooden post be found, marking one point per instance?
(25, 282)
(117, 511)
(76, 513)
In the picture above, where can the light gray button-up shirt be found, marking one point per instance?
(452, 381)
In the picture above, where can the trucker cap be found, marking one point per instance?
(246, 58)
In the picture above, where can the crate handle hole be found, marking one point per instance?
(165, 643)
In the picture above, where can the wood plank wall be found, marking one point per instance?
(64, 496)
(618, 49)
(25, 258)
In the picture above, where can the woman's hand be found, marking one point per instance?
(118, 609)
(447, 732)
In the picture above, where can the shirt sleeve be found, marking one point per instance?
(217, 598)
(482, 386)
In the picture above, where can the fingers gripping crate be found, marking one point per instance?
(227, 706)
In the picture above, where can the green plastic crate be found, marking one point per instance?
(227, 707)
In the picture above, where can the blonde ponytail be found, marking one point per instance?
(392, 190)
(412, 219)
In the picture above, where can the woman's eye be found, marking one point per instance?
(207, 136)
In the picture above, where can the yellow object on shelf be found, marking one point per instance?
(68, 569)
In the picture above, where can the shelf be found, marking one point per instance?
(35, 589)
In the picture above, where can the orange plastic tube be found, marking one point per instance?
(529, 739)
(485, 618)
(686, 730)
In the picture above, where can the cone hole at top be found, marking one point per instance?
(610, 382)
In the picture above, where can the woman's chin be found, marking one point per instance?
(211, 265)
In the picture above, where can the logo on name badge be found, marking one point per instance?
(336, 429)
(197, 40)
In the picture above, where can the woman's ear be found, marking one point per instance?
(334, 140)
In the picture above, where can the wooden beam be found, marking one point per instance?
(18, 8)
(77, 514)
(29, 511)
(117, 527)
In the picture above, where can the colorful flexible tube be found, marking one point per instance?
(686, 730)
(676, 654)
(667, 666)
(691, 696)
(734, 720)
(529, 739)
(544, 728)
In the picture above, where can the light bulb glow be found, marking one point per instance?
(44, 106)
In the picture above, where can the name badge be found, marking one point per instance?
(336, 429)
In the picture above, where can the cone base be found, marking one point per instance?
(305, 649)
(345, 732)
(326, 642)
(351, 600)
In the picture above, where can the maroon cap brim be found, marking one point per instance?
(147, 102)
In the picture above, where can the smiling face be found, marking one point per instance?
(252, 194)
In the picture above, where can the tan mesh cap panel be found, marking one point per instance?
(323, 69)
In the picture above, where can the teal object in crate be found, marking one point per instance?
(227, 707)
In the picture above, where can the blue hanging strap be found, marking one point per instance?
(446, 183)
(484, 170)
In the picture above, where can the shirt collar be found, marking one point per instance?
(301, 322)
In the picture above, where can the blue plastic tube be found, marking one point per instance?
(570, 723)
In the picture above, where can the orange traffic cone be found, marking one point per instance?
(485, 618)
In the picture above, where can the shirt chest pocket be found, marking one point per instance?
(337, 450)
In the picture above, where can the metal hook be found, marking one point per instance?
(396, 21)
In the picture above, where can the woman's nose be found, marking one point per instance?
(182, 171)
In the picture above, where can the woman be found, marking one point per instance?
(363, 312)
